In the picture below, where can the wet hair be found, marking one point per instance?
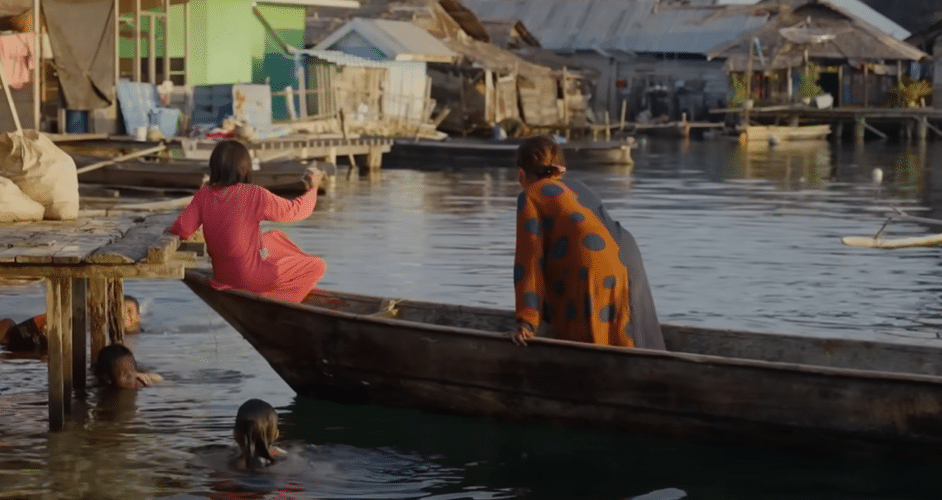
(256, 428)
(116, 367)
(230, 164)
(538, 156)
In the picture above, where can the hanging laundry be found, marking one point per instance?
(17, 59)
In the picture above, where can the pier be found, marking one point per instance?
(84, 263)
(915, 123)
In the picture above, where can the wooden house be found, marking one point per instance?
(484, 84)
(929, 40)
(819, 48)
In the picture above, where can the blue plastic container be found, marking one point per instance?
(166, 119)
(76, 122)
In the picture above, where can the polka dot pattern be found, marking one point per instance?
(532, 226)
(607, 313)
(609, 282)
(548, 223)
(560, 287)
(531, 300)
(552, 190)
(593, 242)
(521, 201)
(577, 217)
(584, 272)
(571, 311)
(520, 272)
(559, 248)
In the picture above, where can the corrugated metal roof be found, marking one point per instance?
(869, 15)
(343, 59)
(400, 40)
(633, 26)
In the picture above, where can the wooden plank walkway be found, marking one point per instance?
(84, 263)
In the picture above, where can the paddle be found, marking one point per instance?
(878, 241)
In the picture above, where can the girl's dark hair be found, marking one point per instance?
(538, 155)
(230, 164)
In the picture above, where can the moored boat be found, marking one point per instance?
(406, 153)
(787, 392)
(783, 133)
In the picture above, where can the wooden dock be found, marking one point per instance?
(916, 123)
(84, 263)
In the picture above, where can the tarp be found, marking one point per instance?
(82, 36)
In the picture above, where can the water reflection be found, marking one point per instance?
(792, 164)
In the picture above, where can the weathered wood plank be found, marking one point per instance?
(65, 315)
(54, 336)
(163, 249)
(79, 336)
(134, 245)
(170, 269)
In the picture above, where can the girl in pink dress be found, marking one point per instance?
(230, 208)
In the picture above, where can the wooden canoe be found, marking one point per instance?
(785, 392)
(783, 133)
(488, 154)
(279, 176)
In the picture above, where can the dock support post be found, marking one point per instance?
(116, 310)
(98, 314)
(793, 120)
(922, 128)
(839, 131)
(374, 159)
(65, 333)
(79, 342)
(54, 332)
(860, 128)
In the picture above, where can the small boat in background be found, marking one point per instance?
(774, 134)
(406, 153)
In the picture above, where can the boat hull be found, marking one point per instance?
(489, 154)
(781, 133)
(344, 353)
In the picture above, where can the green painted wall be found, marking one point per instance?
(228, 44)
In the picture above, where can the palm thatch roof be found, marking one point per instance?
(819, 27)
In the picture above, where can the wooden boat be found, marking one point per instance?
(786, 392)
(783, 133)
(280, 176)
(406, 153)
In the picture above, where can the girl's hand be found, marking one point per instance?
(520, 336)
(312, 178)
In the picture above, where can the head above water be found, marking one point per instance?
(230, 164)
(132, 315)
(256, 428)
(539, 157)
(116, 367)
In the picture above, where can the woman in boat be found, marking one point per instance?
(576, 269)
(230, 209)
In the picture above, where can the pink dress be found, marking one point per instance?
(244, 257)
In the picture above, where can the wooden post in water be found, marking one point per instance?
(860, 129)
(922, 128)
(115, 310)
(98, 315)
(79, 342)
(65, 333)
(54, 334)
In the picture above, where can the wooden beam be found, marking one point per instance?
(170, 269)
(115, 311)
(166, 59)
(38, 58)
(65, 332)
(137, 41)
(79, 336)
(117, 159)
(131, 247)
(98, 312)
(54, 336)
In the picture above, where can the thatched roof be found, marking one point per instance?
(819, 27)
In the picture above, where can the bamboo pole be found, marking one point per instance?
(166, 59)
(186, 43)
(117, 49)
(37, 66)
(6, 90)
(129, 156)
(152, 48)
(747, 105)
(137, 41)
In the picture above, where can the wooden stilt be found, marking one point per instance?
(79, 342)
(922, 129)
(65, 332)
(98, 314)
(54, 333)
(860, 129)
(116, 310)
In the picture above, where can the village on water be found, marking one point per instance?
(149, 139)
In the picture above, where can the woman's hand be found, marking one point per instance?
(523, 333)
(312, 178)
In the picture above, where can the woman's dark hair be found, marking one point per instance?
(538, 155)
(230, 164)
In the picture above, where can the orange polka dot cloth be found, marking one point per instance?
(579, 271)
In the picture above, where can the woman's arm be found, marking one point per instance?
(279, 209)
(188, 221)
(528, 273)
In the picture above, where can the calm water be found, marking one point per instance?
(730, 239)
